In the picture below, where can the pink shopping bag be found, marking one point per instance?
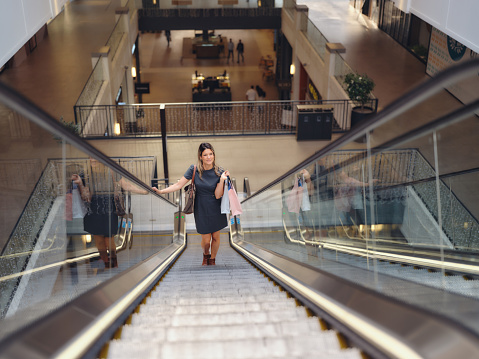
(235, 205)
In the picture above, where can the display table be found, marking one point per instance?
(206, 51)
(211, 97)
(210, 48)
(211, 89)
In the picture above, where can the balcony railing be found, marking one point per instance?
(204, 119)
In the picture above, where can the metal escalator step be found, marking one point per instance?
(225, 332)
(266, 297)
(205, 273)
(212, 284)
(238, 349)
(237, 278)
(311, 346)
(219, 319)
(219, 308)
(214, 292)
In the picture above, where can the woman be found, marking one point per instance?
(101, 219)
(209, 182)
(347, 197)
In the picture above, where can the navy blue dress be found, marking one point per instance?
(208, 216)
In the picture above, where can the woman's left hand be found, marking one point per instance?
(225, 175)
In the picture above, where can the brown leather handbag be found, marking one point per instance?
(190, 195)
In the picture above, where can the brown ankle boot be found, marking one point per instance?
(114, 261)
(211, 261)
(206, 258)
(104, 258)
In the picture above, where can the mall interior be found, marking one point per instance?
(353, 163)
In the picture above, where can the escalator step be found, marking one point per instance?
(301, 347)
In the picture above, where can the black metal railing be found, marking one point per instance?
(204, 119)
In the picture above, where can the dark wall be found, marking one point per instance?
(209, 19)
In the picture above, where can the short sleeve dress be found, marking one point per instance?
(101, 218)
(208, 216)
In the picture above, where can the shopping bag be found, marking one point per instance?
(68, 206)
(120, 237)
(305, 204)
(295, 197)
(235, 205)
(225, 200)
(124, 237)
(190, 195)
(129, 234)
(79, 209)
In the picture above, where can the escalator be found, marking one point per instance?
(302, 281)
(230, 310)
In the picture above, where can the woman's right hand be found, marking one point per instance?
(77, 179)
(159, 191)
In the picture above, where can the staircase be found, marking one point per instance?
(230, 310)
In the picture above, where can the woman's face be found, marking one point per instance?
(94, 163)
(207, 158)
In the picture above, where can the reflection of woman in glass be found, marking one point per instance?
(102, 219)
(347, 197)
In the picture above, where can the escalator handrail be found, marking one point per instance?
(360, 308)
(404, 103)
(33, 113)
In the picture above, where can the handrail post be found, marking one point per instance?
(163, 142)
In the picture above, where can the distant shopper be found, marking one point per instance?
(168, 36)
(261, 97)
(231, 47)
(240, 50)
(251, 96)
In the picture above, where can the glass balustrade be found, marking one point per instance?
(62, 228)
(395, 210)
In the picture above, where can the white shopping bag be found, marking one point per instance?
(225, 201)
(306, 204)
(78, 206)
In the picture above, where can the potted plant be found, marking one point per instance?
(359, 88)
(70, 126)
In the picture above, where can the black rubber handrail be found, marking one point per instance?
(32, 112)
(404, 103)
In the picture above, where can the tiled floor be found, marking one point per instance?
(169, 72)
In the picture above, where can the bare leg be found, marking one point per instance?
(205, 243)
(110, 244)
(215, 244)
(100, 245)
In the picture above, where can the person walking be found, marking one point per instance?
(251, 96)
(168, 36)
(231, 47)
(240, 50)
(209, 181)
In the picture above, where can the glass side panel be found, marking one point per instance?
(62, 229)
(399, 219)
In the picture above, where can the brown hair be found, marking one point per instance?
(206, 146)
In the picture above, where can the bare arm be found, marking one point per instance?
(219, 190)
(174, 187)
(357, 183)
(84, 190)
(128, 186)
